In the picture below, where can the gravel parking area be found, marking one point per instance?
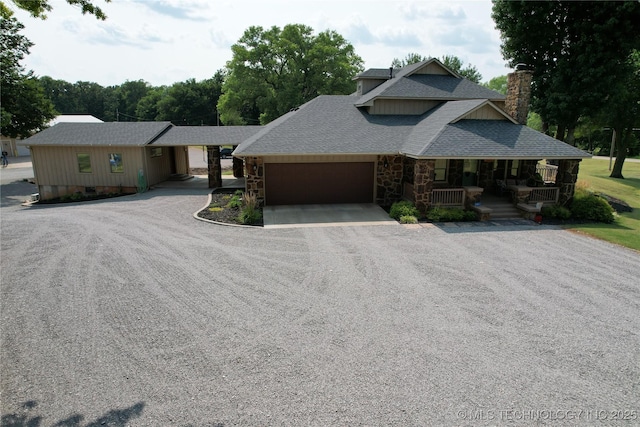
(129, 311)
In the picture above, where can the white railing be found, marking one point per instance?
(547, 172)
(544, 194)
(448, 197)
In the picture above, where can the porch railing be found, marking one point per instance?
(544, 194)
(547, 172)
(448, 197)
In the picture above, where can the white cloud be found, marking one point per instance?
(166, 41)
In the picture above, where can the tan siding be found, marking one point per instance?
(402, 106)
(59, 166)
(319, 159)
(433, 68)
(159, 168)
(369, 84)
(485, 113)
(181, 160)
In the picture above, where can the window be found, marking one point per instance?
(115, 160)
(440, 170)
(514, 168)
(84, 163)
(156, 152)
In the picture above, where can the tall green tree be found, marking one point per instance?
(452, 62)
(39, 8)
(63, 95)
(577, 51)
(147, 108)
(191, 102)
(275, 70)
(622, 111)
(129, 95)
(499, 84)
(24, 108)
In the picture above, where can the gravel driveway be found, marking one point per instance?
(130, 312)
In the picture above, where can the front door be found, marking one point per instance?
(470, 173)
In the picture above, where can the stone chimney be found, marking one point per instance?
(519, 93)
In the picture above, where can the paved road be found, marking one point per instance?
(130, 312)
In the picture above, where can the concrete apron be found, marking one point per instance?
(337, 215)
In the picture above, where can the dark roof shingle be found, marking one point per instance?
(100, 134)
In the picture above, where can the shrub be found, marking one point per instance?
(590, 207)
(235, 201)
(250, 213)
(440, 214)
(554, 211)
(403, 208)
(408, 219)
(470, 216)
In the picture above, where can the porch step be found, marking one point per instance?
(504, 212)
(179, 177)
(501, 208)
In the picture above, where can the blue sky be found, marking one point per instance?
(167, 41)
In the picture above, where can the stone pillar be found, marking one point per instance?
(528, 170)
(566, 180)
(518, 94)
(214, 166)
(424, 171)
(254, 181)
(473, 195)
(388, 179)
(238, 166)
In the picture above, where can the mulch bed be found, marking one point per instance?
(228, 215)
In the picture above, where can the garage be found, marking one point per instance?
(319, 183)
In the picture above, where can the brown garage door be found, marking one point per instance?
(318, 183)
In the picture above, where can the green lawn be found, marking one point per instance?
(594, 174)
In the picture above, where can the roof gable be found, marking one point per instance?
(429, 80)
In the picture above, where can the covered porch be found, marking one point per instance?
(483, 184)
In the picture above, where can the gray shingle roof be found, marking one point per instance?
(206, 135)
(101, 134)
(430, 86)
(330, 124)
(495, 139)
(375, 73)
(333, 125)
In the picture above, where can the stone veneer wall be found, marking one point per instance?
(528, 169)
(423, 183)
(238, 166)
(518, 95)
(214, 166)
(389, 180)
(50, 192)
(566, 179)
(254, 181)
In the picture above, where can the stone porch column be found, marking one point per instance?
(238, 167)
(214, 166)
(566, 179)
(254, 181)
(424, 171)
